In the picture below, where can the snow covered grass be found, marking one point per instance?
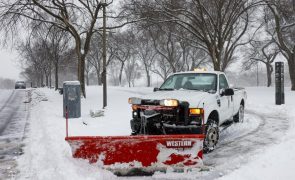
(48, 156)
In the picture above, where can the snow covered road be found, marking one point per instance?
(13, 118)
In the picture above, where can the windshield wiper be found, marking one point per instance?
(193, 89)
(166, 89)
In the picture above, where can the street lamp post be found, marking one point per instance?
(104, 44)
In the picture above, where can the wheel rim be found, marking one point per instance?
(212, 138)
(241, 113)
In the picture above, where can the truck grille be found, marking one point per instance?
(150, 102)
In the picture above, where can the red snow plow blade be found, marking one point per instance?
(126, 154)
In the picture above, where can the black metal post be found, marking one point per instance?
(279, 82)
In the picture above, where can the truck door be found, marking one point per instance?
(225, 105)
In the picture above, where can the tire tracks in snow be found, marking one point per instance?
(230, 155)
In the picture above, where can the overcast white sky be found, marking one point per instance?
(9, 66)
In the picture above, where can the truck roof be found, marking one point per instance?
(199, 71)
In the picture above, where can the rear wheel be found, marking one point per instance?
(239, 117)
(212, 136)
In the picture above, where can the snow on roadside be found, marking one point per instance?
(46, 154)
(278, 160)
(116, 119)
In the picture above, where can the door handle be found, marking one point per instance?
(218, 102)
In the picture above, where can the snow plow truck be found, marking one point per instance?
(170, 128)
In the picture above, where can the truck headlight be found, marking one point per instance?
(169, 102)
(134, 100)
(195, 111)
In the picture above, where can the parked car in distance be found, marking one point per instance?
(20, 85)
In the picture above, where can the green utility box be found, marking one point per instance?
(72, 99)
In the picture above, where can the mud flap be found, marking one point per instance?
(124, 154)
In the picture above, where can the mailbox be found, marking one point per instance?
(279, 82)
(72, 99)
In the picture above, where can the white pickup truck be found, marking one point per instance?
(185, 102)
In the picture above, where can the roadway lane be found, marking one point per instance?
(14, 113)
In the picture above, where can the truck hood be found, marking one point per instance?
(190, 96)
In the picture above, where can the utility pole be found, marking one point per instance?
(104, 44)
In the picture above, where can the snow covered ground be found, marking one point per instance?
(14, 112)
(260, 148)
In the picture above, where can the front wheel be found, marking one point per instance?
(212, 136)
(239, 117)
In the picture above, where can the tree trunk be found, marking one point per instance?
(268, 74)
(148, 77)
(87, 78)
(42, 80)
(148, 80)
(56, 75)
(50, 79)
(121, 73)
(215, 61)
(98, 78)
(46, 79)
(291, 63)
(82, 80)
(81, 71)
(81, 66)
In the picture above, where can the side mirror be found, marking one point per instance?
(156, 89)
(228, 92)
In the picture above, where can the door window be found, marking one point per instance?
(222, 82)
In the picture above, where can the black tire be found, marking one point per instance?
(212, 136)
(239, 117)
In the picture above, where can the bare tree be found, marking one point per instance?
(123, 49)
(167, 45)
(59, 44)
(114, 67)
(146, 53)
(264, 52)
(218, 27)
(95, 55)
(32, 61)
(161, 68)
(282, 21)
(77, 17)
(88, 68)
(131, 70)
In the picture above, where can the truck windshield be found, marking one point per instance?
(191, 81)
